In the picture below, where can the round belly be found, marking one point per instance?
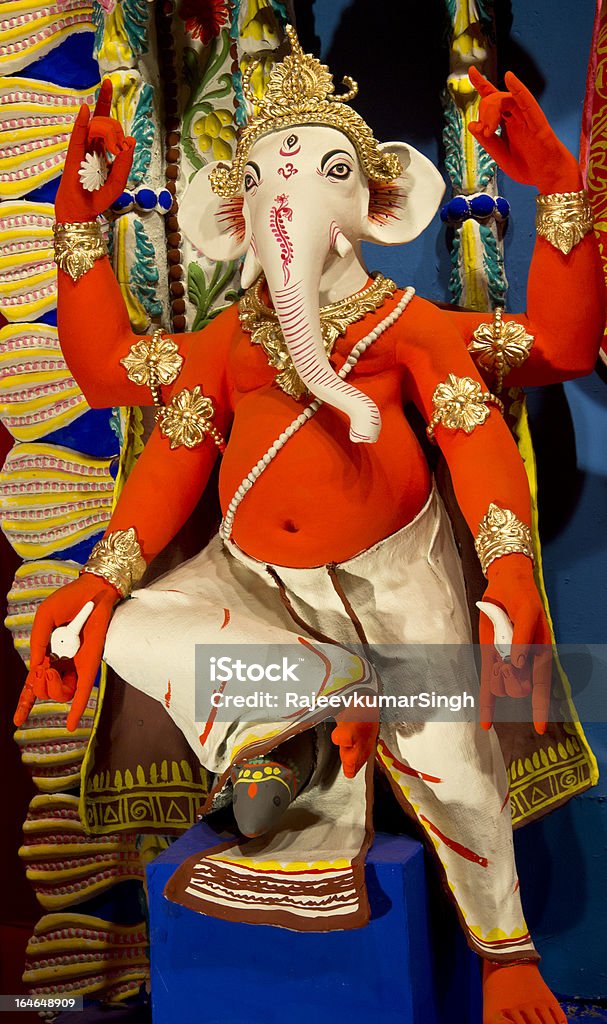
(324, 499)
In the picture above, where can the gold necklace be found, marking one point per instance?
(262, 324)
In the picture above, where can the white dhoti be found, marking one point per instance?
(308, 873)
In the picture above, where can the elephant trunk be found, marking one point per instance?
(297, 307)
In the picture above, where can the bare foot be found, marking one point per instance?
(356, 742)
(518, 995)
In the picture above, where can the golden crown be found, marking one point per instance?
(300, 90)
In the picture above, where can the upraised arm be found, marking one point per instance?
(566, 297)
(94, 328)
(158, 498)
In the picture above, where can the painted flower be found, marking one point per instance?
(187, 418)
(460, 404)
(259, 23)
(215, 132)
(204, 19)
(93, 172)
(155, 360)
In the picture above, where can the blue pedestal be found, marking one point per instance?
(404, 967)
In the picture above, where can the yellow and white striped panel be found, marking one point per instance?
(52, 498)
(28, 275)
(36, 121)
(33, 582)
(54, 755)
(29, 29)
(37, 391)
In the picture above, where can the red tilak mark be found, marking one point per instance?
(278, 215)
(286, 150)
(385, 202)
(506, 799)
(463, 851)
(405, 768)
(226, 618)
(167, 696)
(252, 789)
(287, 171)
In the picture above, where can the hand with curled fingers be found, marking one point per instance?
(51, 681)
(512, 586)
(100, 134)
(527, 148)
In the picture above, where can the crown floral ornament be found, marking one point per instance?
(300, 90)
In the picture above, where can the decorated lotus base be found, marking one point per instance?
(409, 965)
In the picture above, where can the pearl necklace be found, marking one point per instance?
(357, 351)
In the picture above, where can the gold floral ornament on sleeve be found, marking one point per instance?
(460, 404)
(78, 246)
(153, 362)
(117, 559)
(186, 420)
(500, 347)
(501, 533)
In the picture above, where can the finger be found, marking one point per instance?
(482, 85)
(77, 144)
(119, 173)
(87, 662)
(496, 145)
(525, 101)
(104, 99)
(37, 679)
(59, 689)
(27, 699)
(542, 684)
(107, 133)
(44, 624)
(525, 627)
(517, 683)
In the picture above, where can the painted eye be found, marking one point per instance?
(291, 141)
(340, 171)
(250, 182)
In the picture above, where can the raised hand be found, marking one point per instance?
(100, 134)
(512, 587)
(44, 680)
(527, 148)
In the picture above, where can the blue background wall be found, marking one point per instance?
(395, 52)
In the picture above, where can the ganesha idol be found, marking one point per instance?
(333, 536)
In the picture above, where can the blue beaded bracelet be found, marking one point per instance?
(144, 200)
(479, 207)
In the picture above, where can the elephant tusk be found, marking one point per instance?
(339, 242)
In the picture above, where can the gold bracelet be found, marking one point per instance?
(117, 558)
(153, 362)
(563, 219)
(460, 404)
(77, 246)
(186, 420)
(500, 347)
(501, 533)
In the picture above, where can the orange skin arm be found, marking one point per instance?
(92, 318)
(566, 298)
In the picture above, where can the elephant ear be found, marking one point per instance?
(400, 210)
(215, 225)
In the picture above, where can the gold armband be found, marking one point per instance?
(501, 533)
(460, 404)
(77, 246)
(153, 362)
(186, 420)
(500, 347)
(117, 558)
(563, 219)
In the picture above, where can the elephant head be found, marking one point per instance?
(308, 183)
